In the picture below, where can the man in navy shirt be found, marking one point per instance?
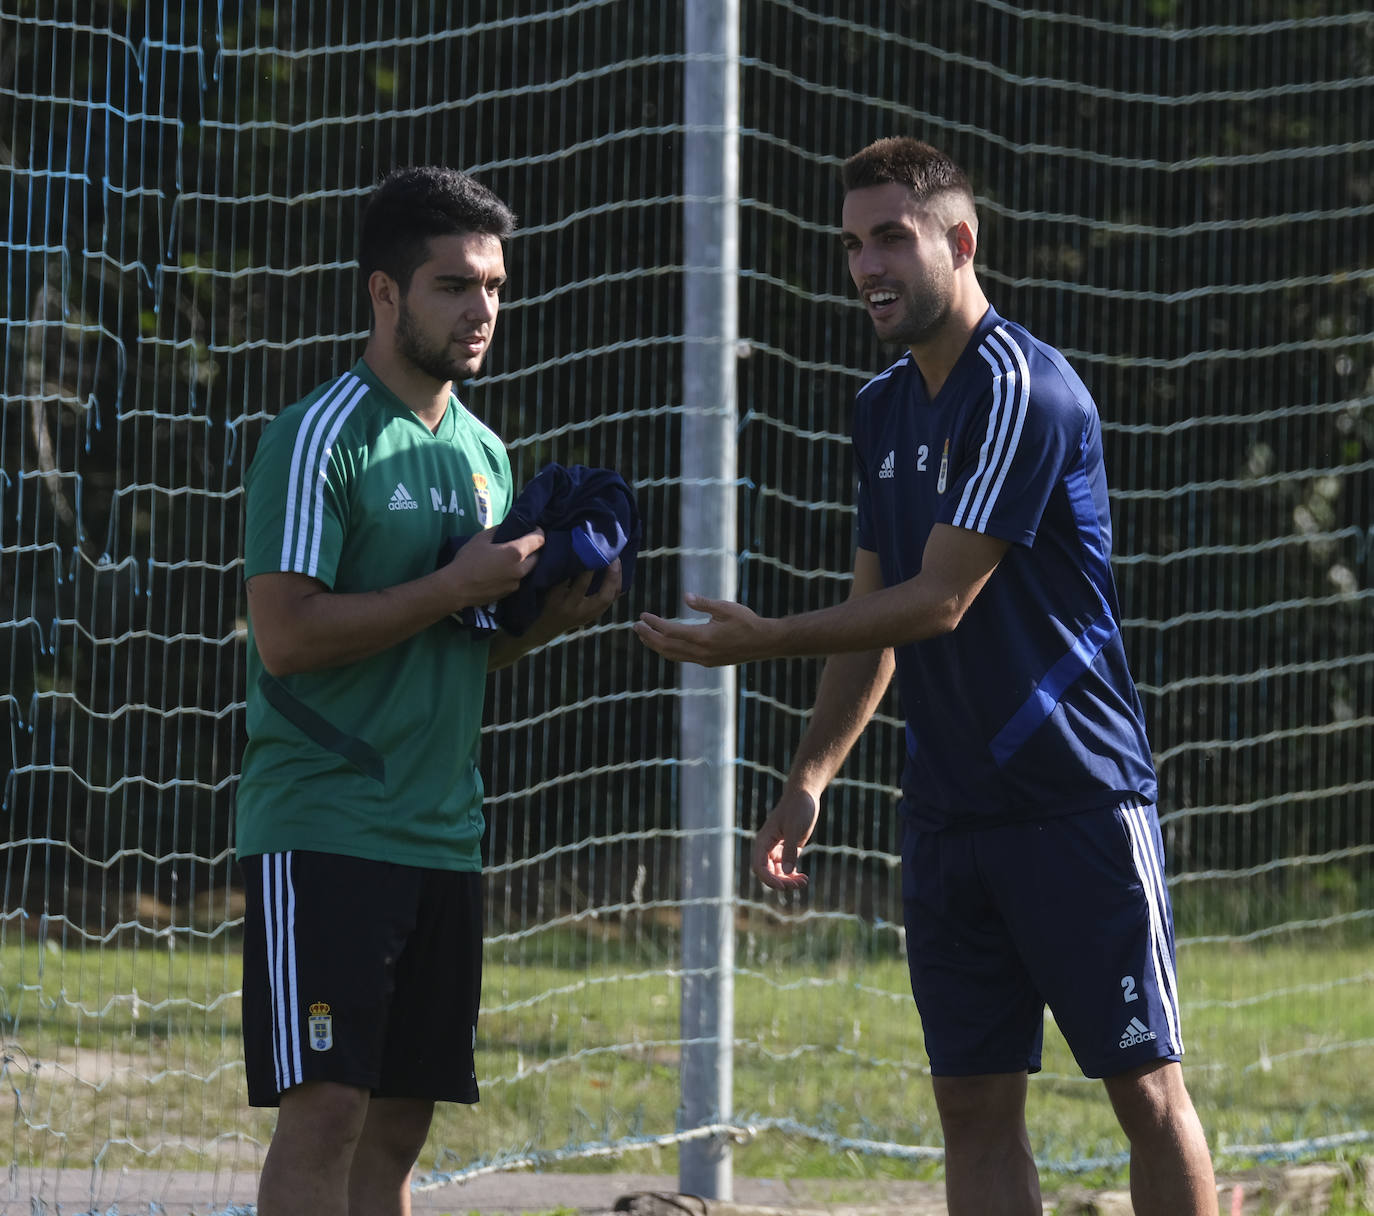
(1032, 859)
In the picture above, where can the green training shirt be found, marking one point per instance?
(376, 758)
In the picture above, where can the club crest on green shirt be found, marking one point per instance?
(483, 496)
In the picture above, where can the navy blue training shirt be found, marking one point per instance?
(1027, 709)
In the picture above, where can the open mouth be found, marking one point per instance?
(881, 301)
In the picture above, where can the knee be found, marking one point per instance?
(981, 1108)
(395, 1131)
(1151, 1100)
(321, 1121)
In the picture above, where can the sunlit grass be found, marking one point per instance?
(583, 1052)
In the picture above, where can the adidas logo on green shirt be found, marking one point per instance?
(401, 500)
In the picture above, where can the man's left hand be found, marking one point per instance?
(573, 604)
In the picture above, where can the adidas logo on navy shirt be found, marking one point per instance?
(889, 466)
(401, 500)
(1136, 1032)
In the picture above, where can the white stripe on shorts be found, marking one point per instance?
(1149, 866)
(279, 914)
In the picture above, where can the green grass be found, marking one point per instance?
(1279, 1041)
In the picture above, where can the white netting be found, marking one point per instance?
(1184, 208)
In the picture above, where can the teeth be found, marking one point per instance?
(882, 297)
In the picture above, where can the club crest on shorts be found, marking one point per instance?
(321, 1027)
(483, 496)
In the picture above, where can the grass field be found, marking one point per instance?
(577, 1049)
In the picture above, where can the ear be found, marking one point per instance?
(384, 292)
(963, 243)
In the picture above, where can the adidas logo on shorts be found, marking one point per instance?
(889, 466)
(401, 500)
(1136, 1032)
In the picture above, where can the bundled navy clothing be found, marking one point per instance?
(589, 517)
(1028, 709)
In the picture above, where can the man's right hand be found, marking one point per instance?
(781, 838)
(483, 571)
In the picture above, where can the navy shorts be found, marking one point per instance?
(361, 972)
(1070, 912)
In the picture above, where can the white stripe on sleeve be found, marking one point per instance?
(309, 468)
(1006, 419)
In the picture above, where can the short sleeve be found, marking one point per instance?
(295, 500)
(1014, 451)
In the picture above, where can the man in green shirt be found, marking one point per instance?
(359, 811)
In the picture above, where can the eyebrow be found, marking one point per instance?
(877, 230)
(499, 280)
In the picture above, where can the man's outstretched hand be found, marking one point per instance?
(733, 634)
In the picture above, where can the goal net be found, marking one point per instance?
(1184, 208)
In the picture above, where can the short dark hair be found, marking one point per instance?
(411, 206)
(925, 170)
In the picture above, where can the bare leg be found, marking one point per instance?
(306, 1169)
(391, 1140)
(1171, 1169)
(989, 1170)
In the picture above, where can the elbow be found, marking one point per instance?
(274, 663)
(946, 617)
(280, 658)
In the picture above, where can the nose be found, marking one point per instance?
(483, 305)
(866, 263)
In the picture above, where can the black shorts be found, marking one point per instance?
(361, 972)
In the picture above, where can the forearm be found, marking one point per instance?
(955, 566)
(851, 687)
(893, 616)
(329, 629)
(299, 624)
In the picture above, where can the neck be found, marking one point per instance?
(936, 357)
(426, 397)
